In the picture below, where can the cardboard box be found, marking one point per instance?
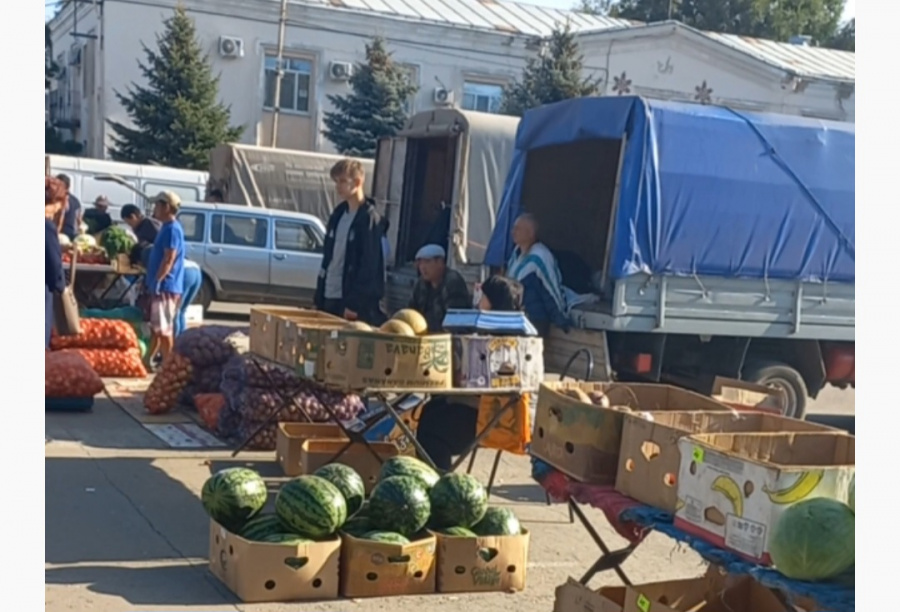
(582, 440)
(732, 488)
(707, 594)
(259, 572)
(264, 330)
(742, 395)
(301, 339)
(357, 360)
(316, 452)
(289, 441)
(575, 597)
(498, 362)
(649, 458)
(496, 563)
(378, 569)
(387, 430)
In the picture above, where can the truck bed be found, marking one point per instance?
(725, 307)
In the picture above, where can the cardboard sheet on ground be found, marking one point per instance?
(184, 435)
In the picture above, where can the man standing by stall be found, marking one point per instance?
(165, 275)
(351, 280)
(71, 213)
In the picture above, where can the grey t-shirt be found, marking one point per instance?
(334, 277)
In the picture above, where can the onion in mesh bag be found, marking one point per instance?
(210, 345)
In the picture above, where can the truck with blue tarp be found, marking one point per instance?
(701, 241)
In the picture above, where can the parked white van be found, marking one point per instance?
(84, 172)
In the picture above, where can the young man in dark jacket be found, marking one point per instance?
(351, 281)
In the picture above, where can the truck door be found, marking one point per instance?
(387, 187)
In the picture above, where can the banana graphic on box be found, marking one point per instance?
(805, 484)
(732, 492)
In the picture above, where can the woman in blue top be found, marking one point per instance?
(165, 276)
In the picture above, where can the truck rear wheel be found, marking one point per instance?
(784, 378)
(206, 294)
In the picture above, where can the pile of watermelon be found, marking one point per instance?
(409, 498)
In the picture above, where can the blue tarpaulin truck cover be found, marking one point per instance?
(706, 190)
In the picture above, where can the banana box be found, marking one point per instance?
(733, 488)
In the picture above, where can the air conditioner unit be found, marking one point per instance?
(231, 47)
(340, 71)
(443, 97)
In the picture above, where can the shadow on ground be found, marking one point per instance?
(106, 426)
(179, 585)
(119, 509)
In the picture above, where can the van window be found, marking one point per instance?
(240, 230)
(187, 193)
(193, 224)
(295, 236)
(118, 195)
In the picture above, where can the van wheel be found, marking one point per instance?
(206, 295)
(784, 378)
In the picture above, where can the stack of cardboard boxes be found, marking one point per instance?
(726, 470)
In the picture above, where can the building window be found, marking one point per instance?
(482, 97)
(294, 84)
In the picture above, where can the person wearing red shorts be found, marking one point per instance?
(165, 275)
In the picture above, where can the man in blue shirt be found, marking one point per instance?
(165, 275)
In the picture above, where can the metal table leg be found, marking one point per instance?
(420, 451)
(610, 560)
(484, 432)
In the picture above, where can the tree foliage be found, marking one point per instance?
(375, 107)
(177, 116)
(771, 19)
(554, 75)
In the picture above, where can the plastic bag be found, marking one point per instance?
(99, 334)
(512, 433)
(165, 390)
(209, 406)
(113, 363)
(68, 375)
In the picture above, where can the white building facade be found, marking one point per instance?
(458, 52)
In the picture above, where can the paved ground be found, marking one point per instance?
(125, 529)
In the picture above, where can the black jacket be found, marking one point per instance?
(363, 282)
(54, 277)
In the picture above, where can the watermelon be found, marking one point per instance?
(234, 495)
(814, 539)
(457, 500)
(409, 466)
(285, 538)
(311, 506)
(357, 526)
(388, 537)
(399, 504)
(457, 532)
(348, 482)
(262, 525)
(498, 522)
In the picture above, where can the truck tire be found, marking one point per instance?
(783, 377)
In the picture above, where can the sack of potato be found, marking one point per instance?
(247, 371)
(212, 345)
(164, 392)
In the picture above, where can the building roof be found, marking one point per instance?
(815, 62)
(801, 60)
(495, 15)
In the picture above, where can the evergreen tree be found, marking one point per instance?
(177, 116)
(375, 107)
(553, 76)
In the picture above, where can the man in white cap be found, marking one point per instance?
(438, 288)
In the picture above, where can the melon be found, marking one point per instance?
(397, 327)
(414, 319)
(359, 326)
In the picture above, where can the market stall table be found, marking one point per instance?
(94, 276)
(634, 521)
(391, 399)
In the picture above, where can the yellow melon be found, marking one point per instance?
(359, 326)
(397, 327)
(414, 319)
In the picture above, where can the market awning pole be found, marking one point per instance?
(279, 74)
